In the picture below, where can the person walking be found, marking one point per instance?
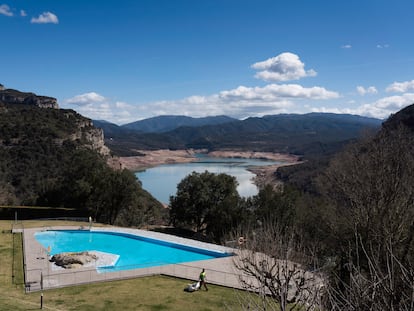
(202, 279)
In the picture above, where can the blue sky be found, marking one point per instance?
(123, 61)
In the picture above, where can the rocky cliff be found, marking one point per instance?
(92, 135)
(10, 96)
(59, 124)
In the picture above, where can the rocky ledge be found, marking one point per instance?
(10, 96)
(73, 260)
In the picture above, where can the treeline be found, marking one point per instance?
(42, 164)
(350, 217)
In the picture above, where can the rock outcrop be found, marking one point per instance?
(10, 96)
(84, 131)
(73, 260)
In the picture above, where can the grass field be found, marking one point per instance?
(147, 293)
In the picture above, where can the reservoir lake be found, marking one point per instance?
(161, 181)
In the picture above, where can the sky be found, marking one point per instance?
(127, 60)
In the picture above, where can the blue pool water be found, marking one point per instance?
(134, 251)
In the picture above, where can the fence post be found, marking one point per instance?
(41, 288)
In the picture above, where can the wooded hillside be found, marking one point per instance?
(56, 158)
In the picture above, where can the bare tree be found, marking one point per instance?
(378, 287)
(370, 186)
(273, 265)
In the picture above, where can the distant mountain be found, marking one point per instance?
(303, 134)
(124, 142)
(164, 124)
(292, 133)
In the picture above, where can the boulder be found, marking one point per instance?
(73, 260)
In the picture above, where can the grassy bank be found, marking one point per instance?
(148, 293)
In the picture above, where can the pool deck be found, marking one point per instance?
(40, 273)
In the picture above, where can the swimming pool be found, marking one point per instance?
(133, 251)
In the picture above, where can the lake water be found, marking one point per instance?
(161, 181)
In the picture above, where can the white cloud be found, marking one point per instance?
(86, 99)
(240, 102)
(98, 107)
(200, 106)
(383, 46)
(284, 67)
(380, 109)
(401, 86)
(23, 13)
(45, 18)
(363, 91)
(122, 105)
(394, 103)
(5, 10)
(346, 46)
(273, 92)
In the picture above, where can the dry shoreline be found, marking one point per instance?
(151, 158)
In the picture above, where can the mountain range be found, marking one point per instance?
(163, 124)
(303, 134)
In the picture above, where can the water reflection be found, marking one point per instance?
(161, 181)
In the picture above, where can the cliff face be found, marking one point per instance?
(94, 137)
(24, 122)
(40, 145)
(10, 96)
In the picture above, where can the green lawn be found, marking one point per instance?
(148, 293)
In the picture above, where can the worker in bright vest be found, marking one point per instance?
(203, 279)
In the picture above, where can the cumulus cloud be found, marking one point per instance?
(23, 13)
(401, 87)
(369, 90)
(5, 10)
(273, 92)
(86, 99)
(394, 103)
(346, 46)
(240, 102)
(284, 67)
(201, 106)
(45, 18)
(98, 107)
(380, 109)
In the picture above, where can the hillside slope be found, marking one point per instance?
(56, 158)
